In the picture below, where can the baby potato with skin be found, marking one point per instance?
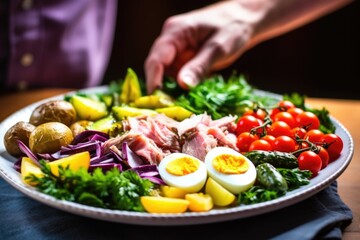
(53, 111)
(50, 137)
(19, 131)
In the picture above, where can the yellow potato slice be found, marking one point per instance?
(28, 167)
(75, 162)
(155, 204)
(221, 196)
(172, 192)
(199, 202)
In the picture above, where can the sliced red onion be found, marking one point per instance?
(99, 138)
(116, 155)
(17, 165)
(132, 159)
(51, 156)
(28, 152)
(149, 171)
(156, 180)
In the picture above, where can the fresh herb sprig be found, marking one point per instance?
(220, 97)
(112, 189)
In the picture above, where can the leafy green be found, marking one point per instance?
(295, 177)
(111, 190)
(220, 97)
(326, 125)
(257, 193)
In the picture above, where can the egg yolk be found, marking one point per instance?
(182, 166)
(230, 164)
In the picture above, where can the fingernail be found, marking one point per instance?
(189, 81)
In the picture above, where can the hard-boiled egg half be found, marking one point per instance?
(183, 171)
(230, 169)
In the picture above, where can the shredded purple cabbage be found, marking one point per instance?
(90, 135)
(91, 141)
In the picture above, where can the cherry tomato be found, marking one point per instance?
(309, 160)
(260, 144)
(314, 136)
(333, 145)
(279, 128)
(302, 145)
(298, 132)
(307, 120)
(324, 155)
(244, 140)
(285, 117)
(284, 144)
(295, 111)
(258, 113)
(246, 123)
(270, 139)
(273, 112)
(286, 104)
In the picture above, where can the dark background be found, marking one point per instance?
(320, 59)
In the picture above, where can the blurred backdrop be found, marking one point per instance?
(320, 59)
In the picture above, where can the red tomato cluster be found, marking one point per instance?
(287, 128)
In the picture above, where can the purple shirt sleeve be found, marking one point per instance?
(59, 43)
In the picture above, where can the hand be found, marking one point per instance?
(196, 43)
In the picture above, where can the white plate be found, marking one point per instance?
(325, 178)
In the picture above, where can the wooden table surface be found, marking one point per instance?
(345, 111)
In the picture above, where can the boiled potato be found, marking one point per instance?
(50, 137)
(220, 195)
(28, 167)
(73, 162)
(155, 204)
(199, 202)
(20, 131)
(53, 111)
(172, 192)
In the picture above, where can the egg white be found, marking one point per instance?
(192, 182)
(235, 183)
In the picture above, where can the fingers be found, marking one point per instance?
(164, 51)
(162, 54)
(177, 44)
(219, 51)
(190, 46)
